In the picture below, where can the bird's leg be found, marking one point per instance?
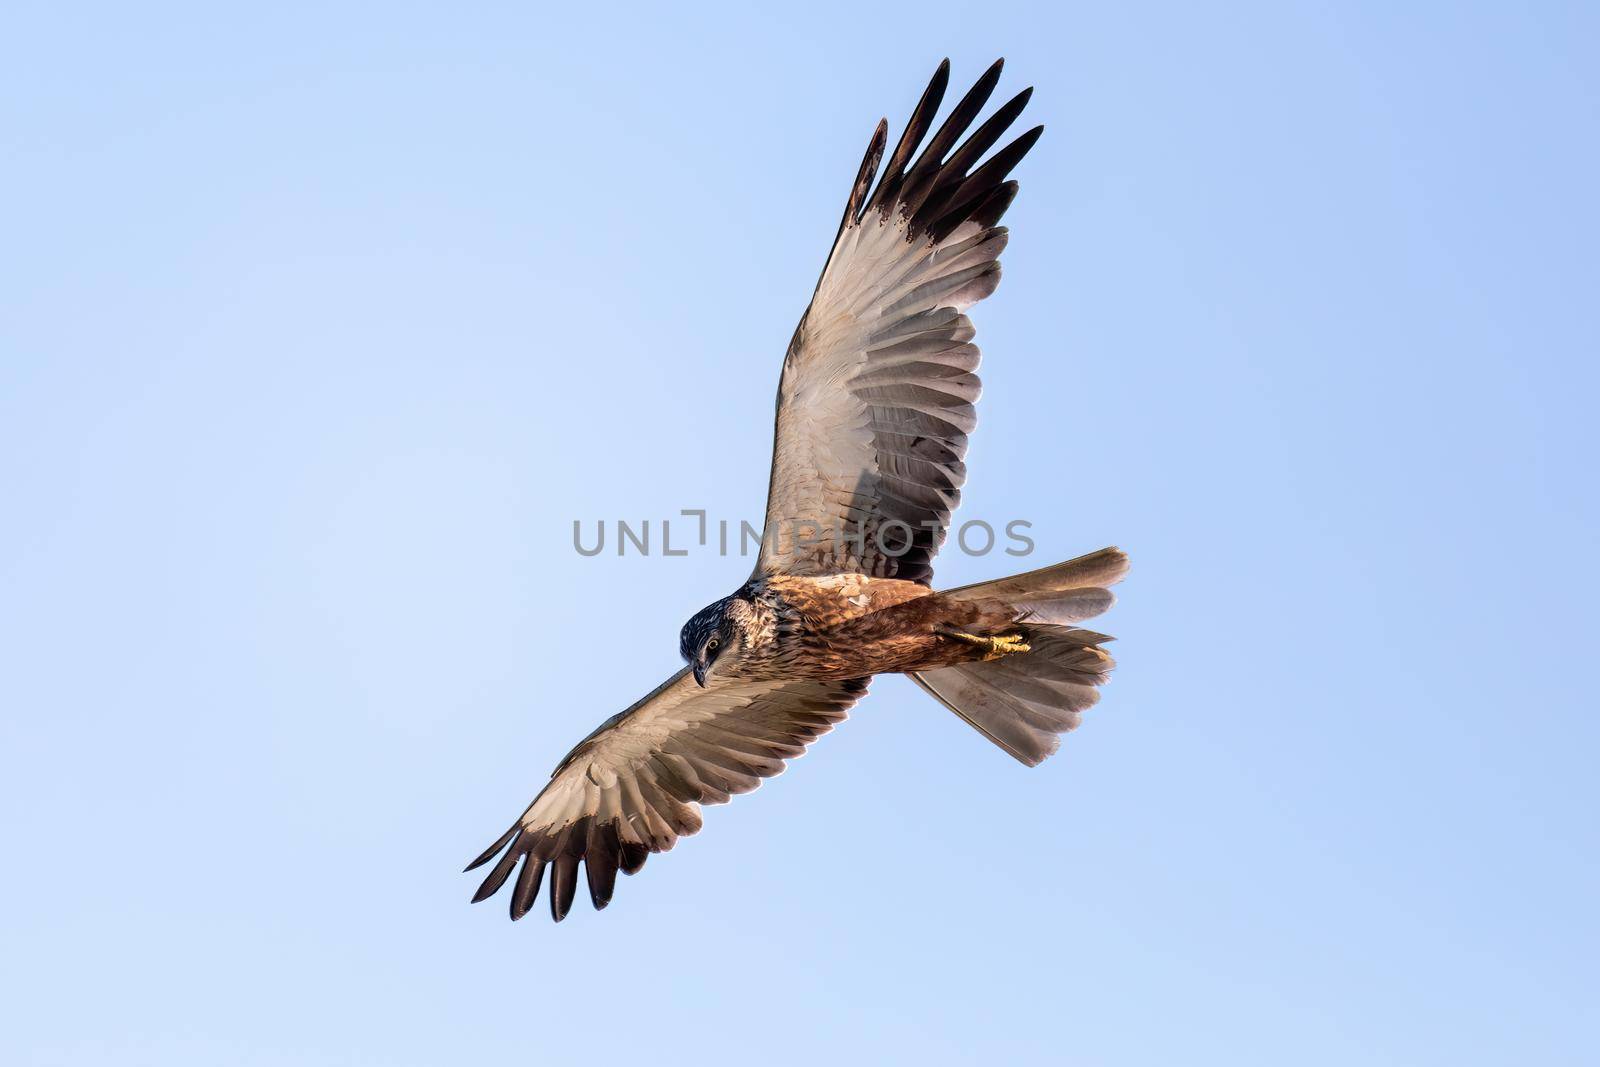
(1006, 644)
(994, 647)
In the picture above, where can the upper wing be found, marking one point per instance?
(636, 784)
(877, 393)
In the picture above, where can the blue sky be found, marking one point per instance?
(318, 327)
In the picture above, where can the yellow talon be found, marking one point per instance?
(994, 647)
(1005, 645)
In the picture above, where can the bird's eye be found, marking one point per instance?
(711, 645)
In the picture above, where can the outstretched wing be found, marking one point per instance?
(636, 784)
(876, 399)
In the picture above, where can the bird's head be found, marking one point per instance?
(715, 633)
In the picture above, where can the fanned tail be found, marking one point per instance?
(1024, 702)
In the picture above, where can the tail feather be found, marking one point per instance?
(1097, 569)
(1024, 702)
(1066, 607)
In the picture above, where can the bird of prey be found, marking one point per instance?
(875, 404)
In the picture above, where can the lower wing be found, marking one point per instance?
(636, 784)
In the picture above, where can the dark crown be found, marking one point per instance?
(704, 623)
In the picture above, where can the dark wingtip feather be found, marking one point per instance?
(633, 857)
(563, 885)
(489, 852)
(963, 113)
(957, 185)
(600, 864)
(527, 889)
(924, 176)
(868, 171)
(999, 165)
(993, 206)
(947, 210)
(917, 127)
(497, 877)
(602, 882)
(984, 137)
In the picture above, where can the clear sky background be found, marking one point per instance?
(319, 326)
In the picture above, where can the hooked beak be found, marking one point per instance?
(700, 668)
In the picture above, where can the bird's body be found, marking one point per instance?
(875, 404)
(846, 626)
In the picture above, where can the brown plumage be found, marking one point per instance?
(853, 626)
(875, 404)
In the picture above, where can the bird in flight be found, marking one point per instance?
(875, 404)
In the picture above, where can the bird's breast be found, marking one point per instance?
(844, 626)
